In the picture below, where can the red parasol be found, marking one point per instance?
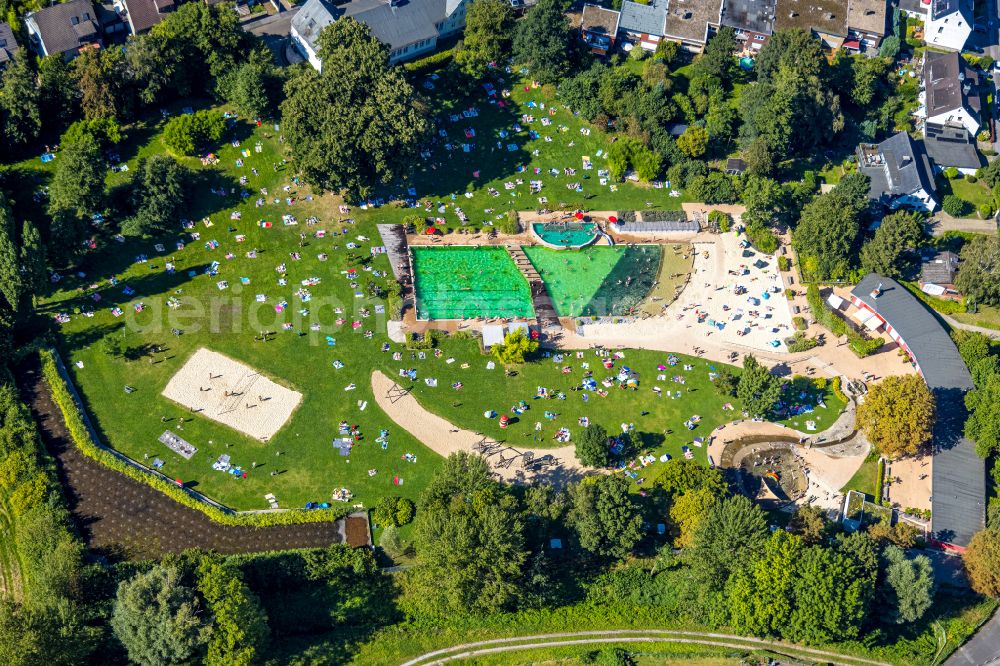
(579, 215)
(612, 219)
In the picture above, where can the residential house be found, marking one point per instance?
(940, 270)
(948, 24)
(689, 21)
(142, 15)
(8, 45)
(827, 19)
(951, 92)
(753, 21)
(952, 146)
(900, 173)
(408, 27)
(866, 25)
(643, 25)
(64, 29)
(599, 28)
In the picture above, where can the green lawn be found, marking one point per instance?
(975, 194)
(988, 317)
(305, 466)
(865, 478)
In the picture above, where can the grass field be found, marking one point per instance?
(310, 325)
(974, 194)
(988, 317)
(864, 479)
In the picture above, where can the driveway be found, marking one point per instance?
(942, 222)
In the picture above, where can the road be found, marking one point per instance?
(983, 649)
(500, 645)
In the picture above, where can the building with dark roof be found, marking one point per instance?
(753, 21)
(408, 27)
(142, 15)
(958, 474)
(940, 269)
(952, 146)
(643, 24)
(8, 45)
(900, 173)
(951, 92)
(64, 29)
(689, 21)
(599, 28)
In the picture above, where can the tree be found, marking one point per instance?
(687, 511)
(356, 124)
(102, 79)
(20, 100)
(58, 94)
(159, 196)
(830, 598)
(516, 346)
(908, 587)
(733, 532)
(759, 158)
(592, 446)
(983, 424)
(605, 517)
(189, 133)
(761, 592)
(693, 142)
(954, 206)
(868, 75)
(682, 476)
(470, 543)
(809, 522)
(829, 226)
(158, 619)
(78, 182)
(899, 233)
(979, 273)
(239, 623)
(897, 415)
(758, 389)
(982, 562)
(542, 39)
(726, 383)
(489, 28)
(392, 511)
(717, 60)
(250, 87)
(50, 636)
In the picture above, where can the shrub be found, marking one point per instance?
(762, 238)
(954, 206)
(951, 173)
(509, 223)
(424, 66)
(799, 323)
(800, 343)
(784, 263)
(863, 346)
(392, 512)
(188, 133)
(985, 211)
(80, 435)
(719, 219)
(972, 178)
(837, 390)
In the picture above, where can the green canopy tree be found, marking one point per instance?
(605, 517)
(355, 125)
(983, 424)
(898, 415)
(20, 99)
(515, 348)
(77, 187)
(102, 77)
(828, 228)
(592, 446)
(733, 532)
(542, 41)
(758, 389)
(687, 511)
(239, 623)
(979, 274)
(159, 196)
(489, 29)
(830, 599)
(899, 233)
(251, 87)
(694, 141)
(982, 562)
(58, 94)
(189, 133)
(761, 593)
(908, 586)
(159, 619)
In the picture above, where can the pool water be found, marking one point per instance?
(746, 63)
(599, 280)
(566, 234)
(456, 282)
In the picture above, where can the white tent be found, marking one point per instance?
(862, 315)
(873, 323)
(835, 301)
(933, 289)
(518, 326)
(492, 335)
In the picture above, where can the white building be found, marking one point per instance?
(409, 28)
(948, 24)
(900, 173)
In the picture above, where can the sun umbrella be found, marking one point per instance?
(579, 215)
(612, 219)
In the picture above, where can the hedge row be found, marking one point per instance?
(80, 435)
(432, 62)
(942, 305)
(859, 344)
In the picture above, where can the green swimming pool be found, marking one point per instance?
(598, 280)
(456, 282)
(565, 234)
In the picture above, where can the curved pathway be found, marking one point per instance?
(442, 437)
(479, 648)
